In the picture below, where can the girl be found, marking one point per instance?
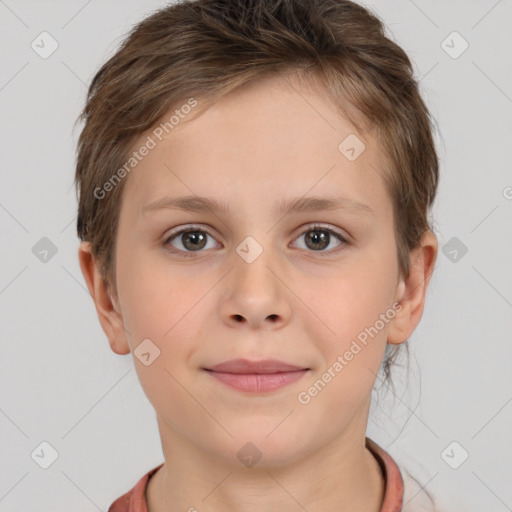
(254, 180)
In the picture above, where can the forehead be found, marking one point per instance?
(272, 136)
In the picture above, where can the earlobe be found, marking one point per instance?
(110, 318)
(411, 291)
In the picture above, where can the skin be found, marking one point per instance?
(273, 140)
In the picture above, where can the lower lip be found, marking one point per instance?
(258, 383)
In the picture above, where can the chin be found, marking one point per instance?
(265, 446)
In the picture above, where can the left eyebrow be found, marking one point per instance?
(297, 205)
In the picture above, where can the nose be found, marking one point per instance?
(255, 296)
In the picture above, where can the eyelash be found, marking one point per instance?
(315, 227)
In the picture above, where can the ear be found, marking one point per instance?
(411, 291)
(106, 305)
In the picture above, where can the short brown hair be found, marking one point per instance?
(207, 48)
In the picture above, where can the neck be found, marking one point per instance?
(342, 476)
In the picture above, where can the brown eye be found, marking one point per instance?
(193, 240)
(188, 241)
(318, 238)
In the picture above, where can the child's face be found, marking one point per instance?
(303, 300)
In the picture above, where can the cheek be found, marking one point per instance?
(153, 298)
(357, 294)
(351, 358)
(356, 305)
(163, 304)
(162, 307)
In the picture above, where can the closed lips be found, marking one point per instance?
(256, 377)
(244, 366)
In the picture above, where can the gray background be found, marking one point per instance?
(60, 383)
